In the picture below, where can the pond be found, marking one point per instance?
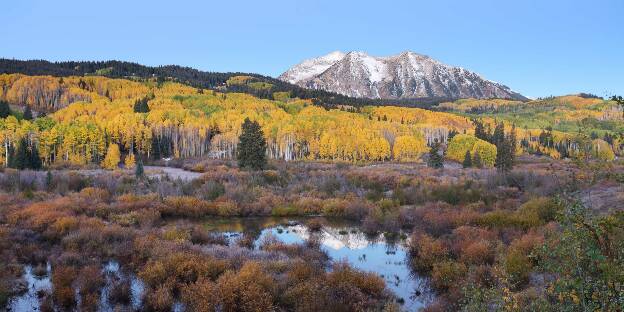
(38, 284)
(342, 241)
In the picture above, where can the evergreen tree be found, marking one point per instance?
(452, 134)
(141, 106)
(513, 145)
(35, 160)
(5, 110)
(476, 160)
(435, 159)
(28, 113)
(504, 159)
(21, 158)
(48, 181)
(11, 155)
(499, 134)
(251, 149)
(467, 160)
(480, 130)
(138, 170)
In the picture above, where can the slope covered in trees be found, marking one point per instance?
(560, 127)
(88, 114)
(197, 79)
(155, 119)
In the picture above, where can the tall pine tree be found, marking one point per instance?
(251, 149)
(467, 160)
(499, 134)
(138, 170)
(28, 113)
(435, 159)
(141, 106)
(5, 110)
(35, 160)
(476, 160)
(21, 158)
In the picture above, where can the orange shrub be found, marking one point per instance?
(201, 295)
(447, 274)
(248, 290)
(62, 279)
(310, 296)
(64, 225)
(159, 299)
(94, 194)
(426, 251)
(334, 207)
(474, 245)
(181, 268)
(186, 206)
(353, 290)
(517, 261)
(308, 205)
(369, 283)
(90, 281)
(40, 215)
(132, 202)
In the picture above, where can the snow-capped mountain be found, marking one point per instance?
(407, 75)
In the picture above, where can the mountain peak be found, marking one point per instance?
(406, 75)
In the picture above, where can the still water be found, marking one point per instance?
(342, 241)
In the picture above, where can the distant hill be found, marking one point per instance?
(201, 79)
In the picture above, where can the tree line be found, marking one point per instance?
(199, 79)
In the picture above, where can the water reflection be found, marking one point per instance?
(343, 241)
(37, 286)
(115, 277)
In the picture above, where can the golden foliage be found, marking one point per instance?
(112, 159)
(462, 142)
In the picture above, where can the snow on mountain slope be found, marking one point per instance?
(312, 67)
(407, 75)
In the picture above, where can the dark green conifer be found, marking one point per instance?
(34, 159)
(28, 113)
(5, 110)
(467, 160)
(21, 157)
(251, 149)
(476, 160)
(435, 159)
(139, 171)
(48, 180)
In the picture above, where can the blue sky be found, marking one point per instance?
(538, 48)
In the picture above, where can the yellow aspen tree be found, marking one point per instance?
(112, 159)
(130, 161)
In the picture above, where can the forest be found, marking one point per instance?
(79, 118)
(197, 79)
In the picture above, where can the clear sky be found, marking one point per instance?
(538, 48)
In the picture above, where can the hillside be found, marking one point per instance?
(89, 113)
(198, 79)
(570, 113)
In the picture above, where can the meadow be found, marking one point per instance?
(477, 237)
